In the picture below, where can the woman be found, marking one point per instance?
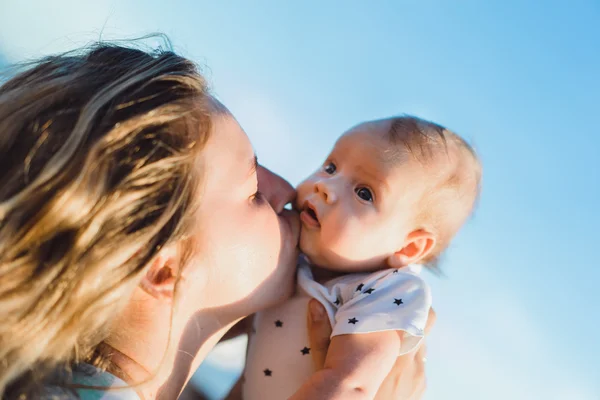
(136, 227)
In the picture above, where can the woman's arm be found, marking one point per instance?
(240, 328)
(236, 391)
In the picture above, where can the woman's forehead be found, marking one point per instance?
(227, 136)
(228, 151)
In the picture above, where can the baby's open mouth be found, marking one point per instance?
(309, 215)
(312, 213)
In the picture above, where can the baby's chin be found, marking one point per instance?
(329, 260)
(333, 259)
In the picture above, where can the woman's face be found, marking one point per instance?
(246, 240)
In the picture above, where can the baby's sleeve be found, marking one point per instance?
(399, 301)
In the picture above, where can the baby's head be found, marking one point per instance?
(392, 192)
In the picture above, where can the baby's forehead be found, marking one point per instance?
(372, 140)
(377, 128)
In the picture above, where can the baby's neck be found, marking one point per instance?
(321, 274)
(324, 274)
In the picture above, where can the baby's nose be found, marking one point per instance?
(326, 192)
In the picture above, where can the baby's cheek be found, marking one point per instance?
(358, 243)
(342, 243)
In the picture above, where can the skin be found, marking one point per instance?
(358, 215)
(365, 200)
(244, 261)
(405, 380)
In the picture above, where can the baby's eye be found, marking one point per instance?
(364, 193)
(329, 168)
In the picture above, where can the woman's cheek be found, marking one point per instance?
(270, 243)
(278, 265)
(258, 250)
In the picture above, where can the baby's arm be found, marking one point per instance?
(355, 367)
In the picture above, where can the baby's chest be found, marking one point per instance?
(279, 356)
(283, 326)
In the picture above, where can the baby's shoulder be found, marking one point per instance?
(353, 286)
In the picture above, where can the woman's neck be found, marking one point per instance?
(159, 354)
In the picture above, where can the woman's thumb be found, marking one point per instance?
(319, 332)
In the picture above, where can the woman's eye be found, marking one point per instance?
(329, 168)
(258, 197)
(364, 193)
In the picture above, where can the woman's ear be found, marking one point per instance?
(417, 245)
(160, 279)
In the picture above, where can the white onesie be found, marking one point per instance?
(279, 359)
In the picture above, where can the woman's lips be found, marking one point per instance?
(291, 220)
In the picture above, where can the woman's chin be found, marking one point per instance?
(280, 286)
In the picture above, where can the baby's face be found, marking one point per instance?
(357, 209)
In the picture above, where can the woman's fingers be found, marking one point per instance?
(406, 380)
(430, 320)
(419, 370)
(319, 332)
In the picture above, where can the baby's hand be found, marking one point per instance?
(319, 333)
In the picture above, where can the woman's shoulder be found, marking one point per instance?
(88, 375)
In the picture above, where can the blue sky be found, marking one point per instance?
(517, 311)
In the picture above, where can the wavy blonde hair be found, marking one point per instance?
(97, 153)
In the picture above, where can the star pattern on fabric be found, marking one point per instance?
(383, 296)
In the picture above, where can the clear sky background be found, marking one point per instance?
(518, 309)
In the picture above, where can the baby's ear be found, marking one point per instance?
(417, 245)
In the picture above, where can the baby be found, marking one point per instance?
(385, 204)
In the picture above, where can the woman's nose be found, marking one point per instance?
(325, 191)
(276, 190)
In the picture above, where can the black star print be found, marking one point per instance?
(395, 271)
(352, 321)
(337, 302)
(305, 351)
(359, 287)
(268, 372)
(369, 291)
(398, 302)
(278, 323)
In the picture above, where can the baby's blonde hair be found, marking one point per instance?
(97, 173)
(450, 196)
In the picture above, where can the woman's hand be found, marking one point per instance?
(406, 380)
